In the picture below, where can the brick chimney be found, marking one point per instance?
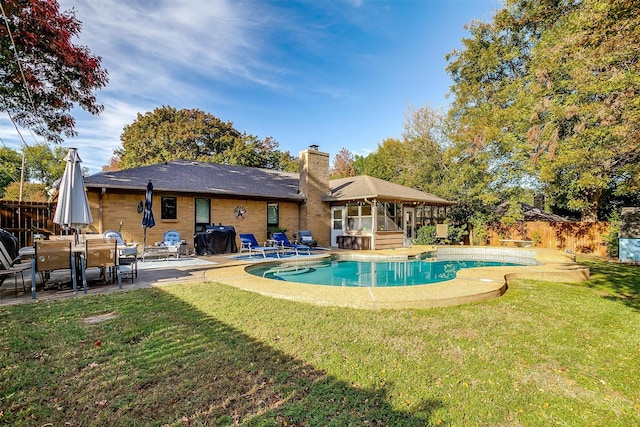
(315, 215)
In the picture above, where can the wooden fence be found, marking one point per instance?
(23, 219)
(578, 237)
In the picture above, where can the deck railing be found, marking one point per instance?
(24, 219)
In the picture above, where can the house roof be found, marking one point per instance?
(531, 213)
(188, 176)
(200, 177)
(368, 187)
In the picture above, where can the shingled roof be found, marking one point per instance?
(530, 213)
(188, 176)
(364, 186)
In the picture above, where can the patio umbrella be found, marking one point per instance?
(147, 215)
(72, 210)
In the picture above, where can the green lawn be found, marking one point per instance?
(205, 354)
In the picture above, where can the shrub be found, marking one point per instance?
(426, 235)
(612, 237)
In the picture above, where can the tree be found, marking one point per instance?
(544, 96)
(414, 161)
(384, 163)
(342, 165)
(423, 140)
(167, 134)
(45, 164)
(44, 75)
(113, 165)
(585, 125)
(10, 166)
(30, 192)
(492, 102)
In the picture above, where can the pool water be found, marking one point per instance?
(370, 273)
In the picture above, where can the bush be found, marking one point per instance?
(612, 237)
(426, 235)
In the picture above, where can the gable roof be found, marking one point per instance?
(367, 187)
(200, 177)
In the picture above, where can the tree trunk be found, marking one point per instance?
(590, 214)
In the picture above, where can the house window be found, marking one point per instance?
(273, 216)
(168, 208)
(203, 213)
(359, 217)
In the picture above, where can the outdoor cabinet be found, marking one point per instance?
(629, 235)
(354, 242)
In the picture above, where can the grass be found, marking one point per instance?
(206, 354)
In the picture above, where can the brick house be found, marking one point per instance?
(189, 195)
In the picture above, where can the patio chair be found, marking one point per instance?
(127, 254)
(441, 232)
(124, 249)
(174, 243)
(10, 262)
(103, 255)
(51, 255)
(283, 241)
(249, 243)
(306, 238)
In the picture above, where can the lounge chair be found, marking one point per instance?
(307, 239)
(10, 262)
(249, 243)
(283, 242)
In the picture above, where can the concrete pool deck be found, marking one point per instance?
(475, 284)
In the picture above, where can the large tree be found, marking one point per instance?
(169, 134)
(43, 75)
(546, 96)
(416, 160)
(342, 165)
(45, 164)
(585, 124)
(384, 163)
(10, 165)
(423, 144)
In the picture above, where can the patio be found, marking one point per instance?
(150, 273)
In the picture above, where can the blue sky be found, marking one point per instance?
(336, 73)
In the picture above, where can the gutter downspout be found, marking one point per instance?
(100, 209)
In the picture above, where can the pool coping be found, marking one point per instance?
(470, 285)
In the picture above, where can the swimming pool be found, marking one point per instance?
(376, 273)
(470, 284)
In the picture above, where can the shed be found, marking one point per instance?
(629, 235)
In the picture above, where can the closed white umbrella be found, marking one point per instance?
(72, 210)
